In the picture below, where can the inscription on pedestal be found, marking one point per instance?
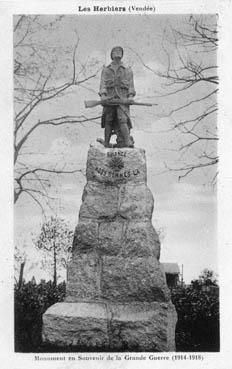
(116, 165)
(116, 174)
(116, 153)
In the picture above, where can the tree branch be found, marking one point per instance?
(54, 122)
(189, 168)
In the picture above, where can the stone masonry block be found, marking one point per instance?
(115, 166)
(135, 201)
(133, 279)
(140, 240)
(83, 277)
(110, 237)
(76, 324)
(143, 327)
(99, 201)
(86, 235)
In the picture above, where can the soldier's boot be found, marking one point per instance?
(108, 130)
(126, 134)
(132, 142)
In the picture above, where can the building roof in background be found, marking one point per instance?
(171, 268)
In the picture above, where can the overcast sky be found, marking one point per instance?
(185, 211)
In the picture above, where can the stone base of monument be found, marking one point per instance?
(113, 327)
(116, 297)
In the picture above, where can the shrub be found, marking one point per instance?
(31, 301)
(198, 319)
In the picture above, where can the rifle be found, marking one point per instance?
(93, 103)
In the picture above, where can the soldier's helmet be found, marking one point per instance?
(116, 47)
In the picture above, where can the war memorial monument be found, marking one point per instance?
(117, 298)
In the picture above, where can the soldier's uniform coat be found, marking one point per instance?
(117, 83)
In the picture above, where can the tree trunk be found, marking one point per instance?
(54, 266)
(21, 275)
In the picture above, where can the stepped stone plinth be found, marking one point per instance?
(116, 297)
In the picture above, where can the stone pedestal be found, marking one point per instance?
(117, 297)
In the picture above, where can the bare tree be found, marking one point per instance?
(37, 79)
(189, 88)
(193, 78)
(55, 240)
(19, 265)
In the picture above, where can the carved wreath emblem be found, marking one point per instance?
(116, 163)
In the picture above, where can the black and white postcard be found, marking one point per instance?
(116, 184)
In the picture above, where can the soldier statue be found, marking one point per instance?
(117, 84)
